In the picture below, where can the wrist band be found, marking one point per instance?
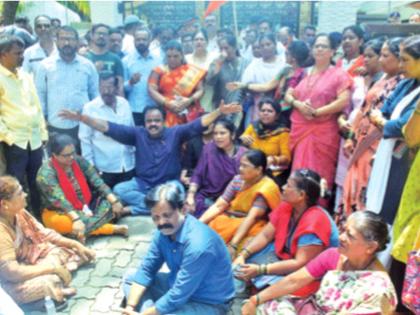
(235, 247)
(75, 220)
(257, 299)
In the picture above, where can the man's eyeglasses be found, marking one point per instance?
(43, 25)
(153, 120)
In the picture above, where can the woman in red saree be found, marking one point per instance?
(317, 100)
(177, 86)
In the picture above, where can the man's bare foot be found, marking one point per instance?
(69, 291)
(121, 229)
(125, 211)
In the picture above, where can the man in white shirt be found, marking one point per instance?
(43, 48)
(114, 160)
(210, 25)
(131, 24)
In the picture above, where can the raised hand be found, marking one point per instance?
(247, 140)
(233, 86)
(69, 114)
(231, 108)
(135, 78)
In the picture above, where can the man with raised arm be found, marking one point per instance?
(158, 149)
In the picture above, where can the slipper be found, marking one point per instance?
(59, 306)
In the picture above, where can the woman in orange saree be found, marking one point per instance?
(362, 147)
(241, 212)
(352, 43)
(177, 86)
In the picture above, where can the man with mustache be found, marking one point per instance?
(22, 125)
(65, 80)
(104, 60)
(200, 277)
(158, 149)
(137, 67)
(114, 160)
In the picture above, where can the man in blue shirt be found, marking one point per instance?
(137, 67)
(200, 279)
(158, 149)
(65, 81)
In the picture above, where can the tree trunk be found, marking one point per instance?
(9, 11)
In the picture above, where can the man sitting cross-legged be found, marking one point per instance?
(158, 149)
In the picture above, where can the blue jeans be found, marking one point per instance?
(159, 287)
(131, 195)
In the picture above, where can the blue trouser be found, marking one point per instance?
(264, 256)
(131, 195)
(159, 287)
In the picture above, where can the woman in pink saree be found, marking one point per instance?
(317, 100)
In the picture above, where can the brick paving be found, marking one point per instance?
(98, 285)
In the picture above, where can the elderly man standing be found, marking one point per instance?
(65, 81)
(158, 149)
(114, 160)
(43, 48)
(200, 279)
(138, 65)
(22, 125)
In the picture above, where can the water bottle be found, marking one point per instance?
(49, 306)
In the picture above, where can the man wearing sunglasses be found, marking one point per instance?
(43, 48)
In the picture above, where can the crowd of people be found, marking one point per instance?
(277, 169)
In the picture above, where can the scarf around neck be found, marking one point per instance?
(67, 186)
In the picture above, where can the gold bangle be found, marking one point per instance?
(247, 252)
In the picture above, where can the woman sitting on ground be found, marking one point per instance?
(269, 135)
(241, 212)
(34, 261)
(74, 197)
(353, 280)
(218, 163)
(298, 231)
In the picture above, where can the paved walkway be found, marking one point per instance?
(98, 285)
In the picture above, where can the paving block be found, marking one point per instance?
(86, 293)
(107, 281)
(82, 307)
(117, 272)
(106, 252)
(98, 243)
(120, 243)
(105, 300)
(103, 267)
(123, 258)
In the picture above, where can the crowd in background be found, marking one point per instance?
(277, 141)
